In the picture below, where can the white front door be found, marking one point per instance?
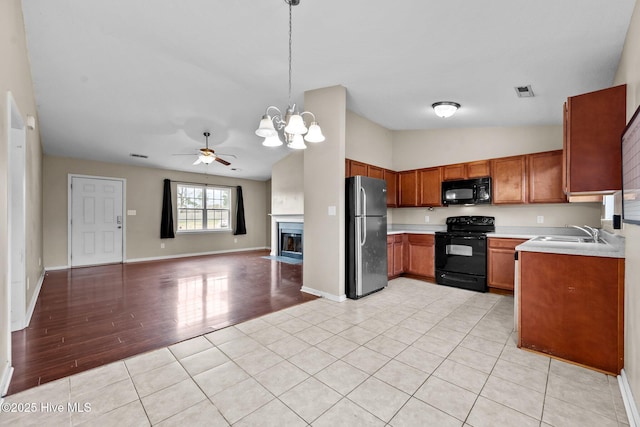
(96, 221)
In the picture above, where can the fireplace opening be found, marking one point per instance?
(290, 239)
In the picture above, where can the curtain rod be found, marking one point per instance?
(206, 185)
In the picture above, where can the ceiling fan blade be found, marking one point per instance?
(198, 161)
(227, 155)
(223, 161)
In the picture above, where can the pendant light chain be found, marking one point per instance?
(290, 26)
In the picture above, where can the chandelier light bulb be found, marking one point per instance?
(266, 128)
(295, 125)
(272, 141)
(314, 134)
(297, 142)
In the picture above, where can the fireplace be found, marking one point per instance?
(290, 239)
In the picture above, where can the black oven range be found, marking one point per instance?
(461, 252)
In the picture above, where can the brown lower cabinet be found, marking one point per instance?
(571, 307)
(420, 255)
(411, 254)
(501, 263)
(395, 255)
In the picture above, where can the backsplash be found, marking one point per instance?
(553, 215)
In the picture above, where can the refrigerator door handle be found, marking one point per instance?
(364, 201)
(363, 231)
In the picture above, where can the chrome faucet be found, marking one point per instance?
(594, 233)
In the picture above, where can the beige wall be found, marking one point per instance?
(287, 185)
(15, 76)
(368, 142)
(425, 148)
(324, 254)
(629, 73)
(144, 195)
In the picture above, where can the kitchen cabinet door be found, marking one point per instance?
(392, 188)
(571, 307)
(501, 262)
(408, 188)
(375, 172)
(509, 180)
(478, 169)
(430, 184)
(593, 125)
(545, 177)
(390, 257)
(453, 172)
(398, 254)
(420, 249)
(358, 168)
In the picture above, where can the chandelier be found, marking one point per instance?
(290, 124)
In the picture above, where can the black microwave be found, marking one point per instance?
(467, 192)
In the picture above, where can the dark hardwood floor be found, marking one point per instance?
(88, 317)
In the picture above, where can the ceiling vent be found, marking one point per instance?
(524, 91)
(140, 156)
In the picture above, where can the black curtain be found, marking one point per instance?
(166, 226)
(241, 227)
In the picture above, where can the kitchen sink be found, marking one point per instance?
(567, 239)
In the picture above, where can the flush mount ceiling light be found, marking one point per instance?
(291, 124)
(445, 109)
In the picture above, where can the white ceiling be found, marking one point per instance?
(114, 77)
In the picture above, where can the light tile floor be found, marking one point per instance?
(414, 354)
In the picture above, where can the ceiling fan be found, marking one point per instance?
(207, 155)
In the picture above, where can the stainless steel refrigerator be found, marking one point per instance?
(366, 236)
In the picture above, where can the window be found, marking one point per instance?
(202, 208)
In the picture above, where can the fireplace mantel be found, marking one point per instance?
(275, 219)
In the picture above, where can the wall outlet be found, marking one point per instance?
(540, 219)
(426, 218)
(161, 245)
(235, 240)
(331, 211)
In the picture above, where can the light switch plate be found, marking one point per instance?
(540, 219)
(131, 212)
(332, 211)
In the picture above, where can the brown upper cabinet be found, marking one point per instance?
(356, 168)
(545, 177)
(509, 180)
(593, 125)
(375, 172)
(430, 185)
(392, 188)
(408, 188)
(468, 170)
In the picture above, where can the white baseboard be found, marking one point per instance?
(629, 403)
(322, 294)
(34, 300)
(5, 378)
(57, 268)
(158, 258)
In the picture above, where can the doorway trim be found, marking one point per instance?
(16, 135)
(124, 212)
